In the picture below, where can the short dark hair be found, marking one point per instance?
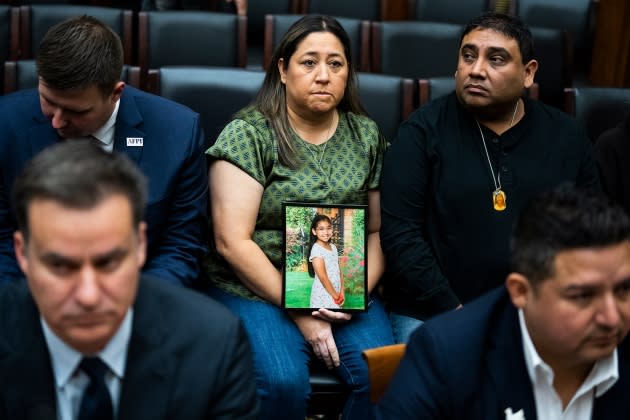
(510, 26)
(271, 98)
(78, 174)
(564, 219)
(78, 53)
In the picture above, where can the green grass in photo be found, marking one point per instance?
(298, 289)
(298, 292)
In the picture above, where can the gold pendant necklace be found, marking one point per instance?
(499, 199)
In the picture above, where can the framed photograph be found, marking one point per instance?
(324, 256)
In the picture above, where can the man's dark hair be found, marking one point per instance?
(564, 219)
(78, 53)
(78, 174)
(510, 26)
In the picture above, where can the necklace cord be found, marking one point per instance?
(326, 140)
(497, 185)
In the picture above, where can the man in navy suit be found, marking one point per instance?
(81, 95)
(547, 345)
(161, 351)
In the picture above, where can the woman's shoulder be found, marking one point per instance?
(247, 123)
(362, 127)
(360, 119)
(252, 116)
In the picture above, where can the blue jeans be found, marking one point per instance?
(282, 356)
(403, 326)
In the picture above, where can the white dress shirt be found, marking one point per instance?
(70, 382)
(105, 134)
(602, 376)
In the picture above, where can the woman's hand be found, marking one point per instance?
(331, 316)
(319, 335)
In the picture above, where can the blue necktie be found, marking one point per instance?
(96, 403)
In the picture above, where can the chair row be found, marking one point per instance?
(598, 108)
(388, 99)
(406, 49)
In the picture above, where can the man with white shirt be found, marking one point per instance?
(548, 345)
(87, 336)
(80, 95)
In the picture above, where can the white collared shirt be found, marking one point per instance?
(600, 379)
(105, 134)
(70, 382)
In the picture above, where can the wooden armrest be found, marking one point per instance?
(382, 363)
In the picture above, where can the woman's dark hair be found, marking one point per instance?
(312, 238)
(271, 99)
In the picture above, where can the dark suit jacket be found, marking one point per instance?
(188, 358)
(469, 364)
(172, 158)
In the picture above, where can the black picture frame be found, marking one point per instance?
(302, 291)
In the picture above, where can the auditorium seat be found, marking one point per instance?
(22, 74)
(453, 11)
(388, 100)
(9, 35)
(190, 38)
(35, 20)
(415, 49)
(597, 108)
(357, 9)
(554, 69)
(256, 12)
(573, 16)
(215, 93)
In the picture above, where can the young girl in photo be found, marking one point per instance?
(323, 264)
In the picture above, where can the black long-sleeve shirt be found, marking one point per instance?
(612, 153)
(444, 242)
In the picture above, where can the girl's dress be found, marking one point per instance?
(320, 298)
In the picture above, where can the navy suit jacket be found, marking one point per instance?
(469, 364)
(188, 358)
(172, 157)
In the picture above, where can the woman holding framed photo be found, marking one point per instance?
(306, 138)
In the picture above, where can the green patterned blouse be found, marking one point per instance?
(340, 171)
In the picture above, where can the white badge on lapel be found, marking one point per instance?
(135, 141)
(509, 415)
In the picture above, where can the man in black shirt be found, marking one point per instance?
(463, 166)
(612, 151)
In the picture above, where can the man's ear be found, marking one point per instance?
(118, 90)
(518, 288)
(530, 72)
(19, 243)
